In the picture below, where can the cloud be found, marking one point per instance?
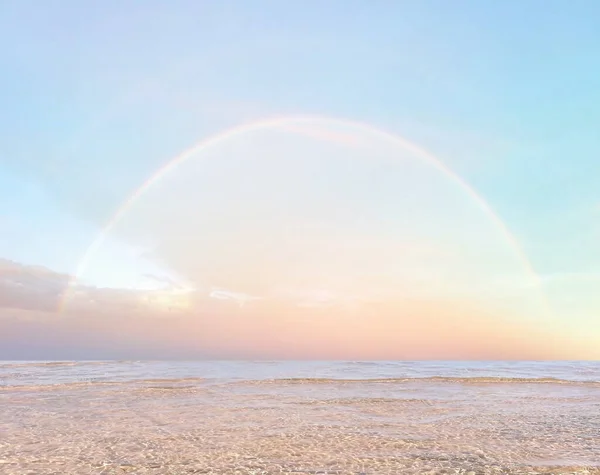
(41, 290)
(30, 287)
(170, 283)
(240, 298)
(110, 323)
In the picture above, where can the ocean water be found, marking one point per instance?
(263, 417)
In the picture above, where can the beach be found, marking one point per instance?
(299, 418)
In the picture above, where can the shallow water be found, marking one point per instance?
(299, 417)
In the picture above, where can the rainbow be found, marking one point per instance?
(291, 123)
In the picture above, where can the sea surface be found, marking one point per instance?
(264, 417)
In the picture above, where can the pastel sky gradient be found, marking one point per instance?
(328, 237)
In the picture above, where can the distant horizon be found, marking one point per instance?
(300, 360)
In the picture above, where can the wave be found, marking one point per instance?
(176, 383)
(167, 380)
(84, 378)
(350, 401)
(51, 364)
(427, 379)
(152, 383)
(153, 389)
(59, 386)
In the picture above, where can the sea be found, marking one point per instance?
(299, 417)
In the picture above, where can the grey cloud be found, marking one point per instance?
(30, 287)
(39, 289)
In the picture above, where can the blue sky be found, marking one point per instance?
(97, 96)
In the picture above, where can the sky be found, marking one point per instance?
(415, 179)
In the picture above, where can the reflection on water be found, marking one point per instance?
(301, 418)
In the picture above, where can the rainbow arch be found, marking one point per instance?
(288, 123)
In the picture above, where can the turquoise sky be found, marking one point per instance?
(97, 95)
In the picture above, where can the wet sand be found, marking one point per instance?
(301, 426)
